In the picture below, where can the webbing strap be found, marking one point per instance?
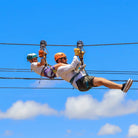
(87, 84)
(72, 79)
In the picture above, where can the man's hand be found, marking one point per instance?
(78, 52)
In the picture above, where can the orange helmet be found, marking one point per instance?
(59, 55)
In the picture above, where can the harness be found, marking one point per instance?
(83, 83)
(77, 73)
(79, 51)
(72, 79)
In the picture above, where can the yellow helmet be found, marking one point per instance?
(59, 55)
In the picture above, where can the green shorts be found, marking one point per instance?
(85, 83)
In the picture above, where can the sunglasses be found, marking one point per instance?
(63, 58)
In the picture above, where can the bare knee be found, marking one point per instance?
(98, 81)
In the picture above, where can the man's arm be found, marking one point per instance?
(75, 63)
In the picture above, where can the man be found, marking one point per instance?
(81, 80)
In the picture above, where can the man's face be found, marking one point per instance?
(62, 60)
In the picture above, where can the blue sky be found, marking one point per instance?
(61, 113)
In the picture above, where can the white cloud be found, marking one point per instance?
(81, 107)
(8, 133)
(112, 104)
(68, 131)
(133, 131)
(109, 129)
(25, 110)
(81, 133)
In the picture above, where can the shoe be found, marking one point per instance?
(127, 85)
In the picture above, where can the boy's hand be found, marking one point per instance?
(42, 53)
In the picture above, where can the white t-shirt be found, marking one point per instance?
(67, 72)
(36, 69)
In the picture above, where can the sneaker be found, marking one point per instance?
(127, 85)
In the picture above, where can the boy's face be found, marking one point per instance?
(33, 60)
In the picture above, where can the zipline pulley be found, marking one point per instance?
(79, 51)
(43, 45)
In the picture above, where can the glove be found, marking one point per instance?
(41, 53)
(77, 51)
(81, 54)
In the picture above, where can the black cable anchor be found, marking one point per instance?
(80, 50)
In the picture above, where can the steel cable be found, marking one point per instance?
(88, 71)
(22, 78)
(107, 44)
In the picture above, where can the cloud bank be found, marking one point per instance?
(112, 104)
(133, 131)
(80, 107)
(25, 110)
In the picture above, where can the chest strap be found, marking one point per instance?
(72, 79)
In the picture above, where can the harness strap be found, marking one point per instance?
(72, 79)
(45, 67)
(52, 68)
(42, 70)
(87, 84)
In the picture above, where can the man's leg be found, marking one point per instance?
(101, 81)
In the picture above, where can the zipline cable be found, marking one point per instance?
(51, 79)
(110, 44)
(88, 71)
